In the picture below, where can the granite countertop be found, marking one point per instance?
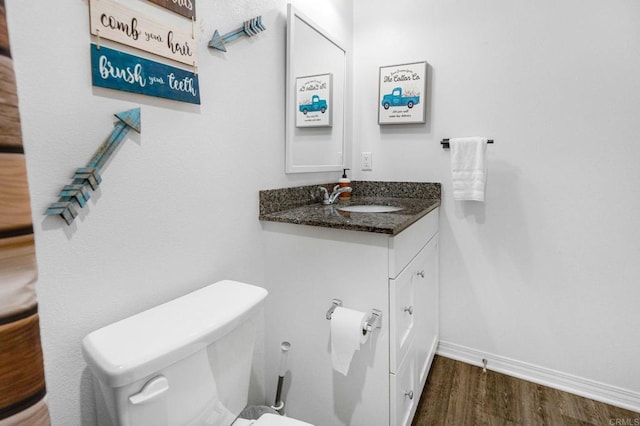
(294, 205)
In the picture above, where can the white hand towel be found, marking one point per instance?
(468, 167)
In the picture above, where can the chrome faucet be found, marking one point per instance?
(337, 190)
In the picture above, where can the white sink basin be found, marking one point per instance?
(364, 208)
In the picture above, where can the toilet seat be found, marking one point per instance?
(274, 420)
(270, 420)
(243, 422)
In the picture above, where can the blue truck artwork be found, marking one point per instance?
(316, 104)
(396, 98)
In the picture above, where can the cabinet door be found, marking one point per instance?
(404, 396)
(401, 306)
(426, 309)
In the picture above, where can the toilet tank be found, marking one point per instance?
(185, 362)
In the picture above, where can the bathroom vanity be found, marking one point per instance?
(384, 261)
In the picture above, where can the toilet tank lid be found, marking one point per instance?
(140, 345)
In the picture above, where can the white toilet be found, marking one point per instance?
(186, 362)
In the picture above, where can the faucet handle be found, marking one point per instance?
(320, 194)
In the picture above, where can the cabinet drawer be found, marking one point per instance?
(404, 246)
(404, 395)
(401, 313)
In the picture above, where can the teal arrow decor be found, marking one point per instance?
(89, 176)
(250, 28)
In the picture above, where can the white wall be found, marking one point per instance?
(178, 205)
(546, 271)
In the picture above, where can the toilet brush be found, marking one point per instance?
(279, 404)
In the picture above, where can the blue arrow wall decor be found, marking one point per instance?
(89, 176)
(250, 28)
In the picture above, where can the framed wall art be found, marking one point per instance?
(314, 101)
(402, 93)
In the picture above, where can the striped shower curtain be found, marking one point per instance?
(22, 387)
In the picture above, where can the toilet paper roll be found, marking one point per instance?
(346, 337)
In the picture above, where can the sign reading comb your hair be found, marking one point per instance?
(171, 39)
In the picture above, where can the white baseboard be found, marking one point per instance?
(597, 391)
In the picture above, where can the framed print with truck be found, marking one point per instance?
(313, 101)
(402, 93)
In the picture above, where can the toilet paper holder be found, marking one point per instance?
(334, 304)
(374, 321)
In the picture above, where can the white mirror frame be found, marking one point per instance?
(293, 17)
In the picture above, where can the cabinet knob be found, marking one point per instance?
(420, 273)
(409, 309)
(409, 394)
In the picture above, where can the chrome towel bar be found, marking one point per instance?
(445, 143)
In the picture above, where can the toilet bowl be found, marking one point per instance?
(185, 362)
(270, 420)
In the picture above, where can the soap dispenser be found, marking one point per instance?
(343, 183)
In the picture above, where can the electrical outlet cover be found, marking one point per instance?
(366, 161)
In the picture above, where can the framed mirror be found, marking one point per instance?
(315, 97)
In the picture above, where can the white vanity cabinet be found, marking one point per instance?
(413, 312)
(413, 315)
(307, 267)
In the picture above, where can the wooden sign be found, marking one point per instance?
(114, 21)
(118, 70)
(181, 7)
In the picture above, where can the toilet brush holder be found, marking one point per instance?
(279, 403)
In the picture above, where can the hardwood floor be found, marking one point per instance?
(461, 394)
